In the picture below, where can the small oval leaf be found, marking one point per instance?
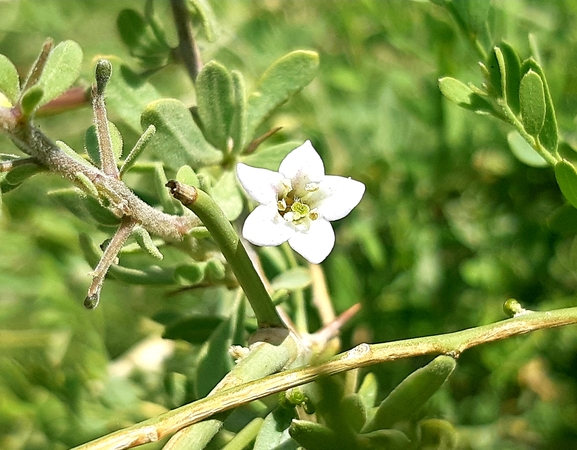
(532, 102)
(61, 70)
(214, 96)
(284, 78)
(178, 140)
(566, 176)
(9, 80)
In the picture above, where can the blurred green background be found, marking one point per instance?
(450, 227)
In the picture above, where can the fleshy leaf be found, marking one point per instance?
(128, 94)
(152, 275)
(354, 411)
(296, 278)
(178, 140)
(204, 11)
(274, 431)
(406, 399)
(215, 360)
(91, 143)
(438, 433)
(190, 273)
(227, 195)
(214, 95)
(512, 65)
(31, 99)
(523, 151)
(463, 95)
(187, 176)
(61, 70)
(145, 242)
(9, 80)
(549, 135)
(140, 38)
(271, 157)
(168, 202)
(566, 176)
(532, 99)
(284, 78)
(314, 435)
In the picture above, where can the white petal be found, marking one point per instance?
(264, 226)
(303, 163)
(338, 196)
(315, 244)
(261, 184)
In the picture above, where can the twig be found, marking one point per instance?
(454, 344)
(187, 46)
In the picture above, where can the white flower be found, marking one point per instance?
(297, 203)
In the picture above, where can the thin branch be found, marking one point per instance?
(187, 47)
(453, 344)
(108, 257)
(36, 144)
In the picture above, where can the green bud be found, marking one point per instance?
(103, 72)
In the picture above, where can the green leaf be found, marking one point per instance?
(207, 18)
(187, 176)
(99, 213)
(91, 143)
(9, 80)
(313, 435)
(214, 96)
(138, 35)
(190, 273)
(532, 99)
(524, 152)
(71, 199)
(549, 135)
(438, 434)
(295, 278)
(215, 361)
(128, 94)
(31, 100)
(284, 78)
(512, 65)
(19, 174)
(152, 275)
(566, 176)
(145, 242)
(463, 95)
(368, 390)
(271, 157)
(354, 411)
(274, 431)
(61, 70)
(169, 204)
(493, 67)
(195, 329)
(226, 194)
(387, 439)
(406, 399)
(178, 140)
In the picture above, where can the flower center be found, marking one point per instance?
(297, 209)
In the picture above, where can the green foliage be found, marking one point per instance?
(178, 140)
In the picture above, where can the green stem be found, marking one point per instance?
(229, 243)
(533, 142)
(361, 356)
